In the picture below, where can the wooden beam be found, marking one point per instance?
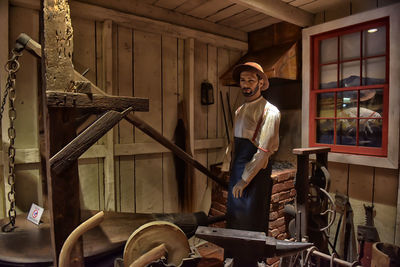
(57, 99)
(108, 83)
(73, 150)
(150, 131)
(31, 155)
(280, 10)
(89, 11)
(59, 127)
(139, 8)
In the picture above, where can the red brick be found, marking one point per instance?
(273, 216)
(282, 228)
(275, 198)
(281, 213)
(282, 236)
(284, 195)
(274, 232)
(215, 212)
(275, 224)
(218, 206)
(278, 188)
(289, 184)
(293, 192)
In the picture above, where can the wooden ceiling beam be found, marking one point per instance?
(137, 7)
(95, 12)
(279, 10)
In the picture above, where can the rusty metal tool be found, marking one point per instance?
(250, 245)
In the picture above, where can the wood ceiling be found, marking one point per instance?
(246, 15)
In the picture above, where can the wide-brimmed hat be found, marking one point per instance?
(250, 66)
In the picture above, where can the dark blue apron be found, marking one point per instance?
(251, 211)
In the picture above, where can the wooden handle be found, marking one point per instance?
(74, 236)
(153, 255)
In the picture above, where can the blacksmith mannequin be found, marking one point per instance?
(256, 138)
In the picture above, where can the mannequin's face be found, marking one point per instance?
(250, 85)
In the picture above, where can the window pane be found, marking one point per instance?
(346, 130)
(328, 76)
(325, 131)
(350, 46)
(374, 42)
(346, 104)
(326, 105)
(374, 71)
(370, 133)
(350, 74)
(371, 103)
(328, 50)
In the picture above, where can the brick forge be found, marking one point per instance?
(283, 192)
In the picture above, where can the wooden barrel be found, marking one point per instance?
(385, 255)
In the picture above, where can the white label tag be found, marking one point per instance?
(35, 213)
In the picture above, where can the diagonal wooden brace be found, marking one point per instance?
(153, 133)
(85, 140)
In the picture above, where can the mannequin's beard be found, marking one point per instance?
(252, 92)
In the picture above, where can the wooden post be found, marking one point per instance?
(109, 168)
(302, 187)
(59, 126)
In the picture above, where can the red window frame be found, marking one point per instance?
(315, 90)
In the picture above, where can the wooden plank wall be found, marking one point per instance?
(368, 185)
(363, 184)
(131, 62)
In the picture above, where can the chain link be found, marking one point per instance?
(12, 66)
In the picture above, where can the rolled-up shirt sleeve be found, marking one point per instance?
(268, 143)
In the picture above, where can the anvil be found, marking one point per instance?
(250, 245)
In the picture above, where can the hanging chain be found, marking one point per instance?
(12, 66)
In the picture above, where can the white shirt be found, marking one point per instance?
(258, 121)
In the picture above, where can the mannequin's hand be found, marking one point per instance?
(237, 190)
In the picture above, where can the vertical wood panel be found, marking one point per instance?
(25, 20)
(147, 73)
(85, 57)
(181, 68)
(236, 96)
(100, 83)
(108, 68)
(360, 183)
(200, 123)
(385, 201)
(212, 121)
(125, 134)
(89, 184)
(223, 65)
(338, 174)
(188, 99)
(170, 112)
(200, 70)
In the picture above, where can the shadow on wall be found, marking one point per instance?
(286, 96)
(27, 186)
